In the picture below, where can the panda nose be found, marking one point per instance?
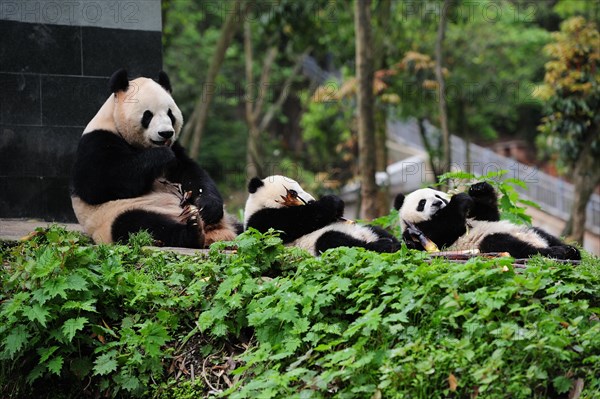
(167, 134)
(311, 202)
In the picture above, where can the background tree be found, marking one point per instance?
(366, 121)
(493, 73)
(439, 76)
(195, 125)
(571, 129)
(488, 48)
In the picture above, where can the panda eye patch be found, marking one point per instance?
(293, 193)
(421, 205)
(171, 117)
(443, 199)
(147, 118)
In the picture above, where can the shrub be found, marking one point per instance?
(123, 321)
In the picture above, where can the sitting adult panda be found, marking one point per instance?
(472, 221)
(280, 203)
(131, 174)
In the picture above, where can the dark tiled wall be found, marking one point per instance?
(53, 79)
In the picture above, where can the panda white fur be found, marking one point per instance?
(280, 203)
(131, 174)
(472, 221)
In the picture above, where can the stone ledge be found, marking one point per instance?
(15, 229)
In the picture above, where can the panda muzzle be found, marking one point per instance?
(167, 136)
(166, 143)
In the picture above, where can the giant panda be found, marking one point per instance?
(280, 203)
(467, 221)
(131, 174)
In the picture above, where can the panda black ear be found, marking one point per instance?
(398, 201)
(254, 184)
(164, 81)
(119, 81)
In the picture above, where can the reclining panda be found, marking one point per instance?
(280, 203)
(472, 221)
(131, 174)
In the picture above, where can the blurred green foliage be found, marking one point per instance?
(492, 56)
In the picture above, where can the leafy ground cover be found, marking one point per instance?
(266, 321)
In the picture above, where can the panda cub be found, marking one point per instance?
(472, 221)
(280, 203)
(131, 174)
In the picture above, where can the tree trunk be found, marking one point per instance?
(463, 131)
(382, 18)
(366, 125)
(586, 177)
(432, 155)
(228, 29)
(255, 101)
(253, 166)
(443, 109)
(381, 160)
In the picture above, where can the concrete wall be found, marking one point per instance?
(55, 61)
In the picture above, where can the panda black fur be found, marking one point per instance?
(130, 173)
(472, 221)
(280, 203)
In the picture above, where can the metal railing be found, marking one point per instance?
(554, 195)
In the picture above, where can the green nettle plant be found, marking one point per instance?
(512, 206)
(78, 320)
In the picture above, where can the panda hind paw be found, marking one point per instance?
(563, 252)
(387, 245)
(566, 252)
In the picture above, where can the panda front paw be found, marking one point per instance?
(462, 201)
(332, 205)
(482, 189)
(190, 215)
(162, 155)
(210, 210)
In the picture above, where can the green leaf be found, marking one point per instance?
(55, 365)
(205, 321)
(87, 305)
(13, 306)
(57, 287)
(128, 382)
(562, 384)
(46, 264)
(45, 353)
(36, 313)
(15, 340)
(36, 373)
(71, 327)
(81, 367)
(105, 363)
(40, 296)
(76, 282)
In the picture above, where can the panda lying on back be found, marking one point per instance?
(130, 174)
(280, 203)
(472, 221)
